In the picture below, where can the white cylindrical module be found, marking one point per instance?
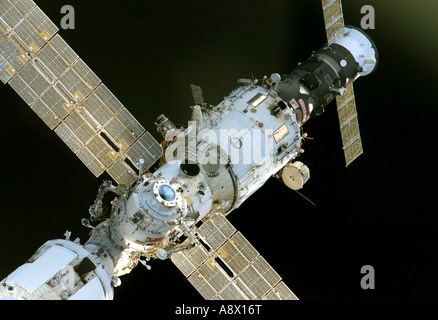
(361, 48)
(243, 141)
(256, 135)
(59, 270)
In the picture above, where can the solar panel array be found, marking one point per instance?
(333, 18)
(225, 266)
(349, 125)
(66, 94)
(347, 113)
(198, 95)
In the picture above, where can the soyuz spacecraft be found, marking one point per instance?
(206, 169)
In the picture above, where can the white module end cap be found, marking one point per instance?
(361, 47)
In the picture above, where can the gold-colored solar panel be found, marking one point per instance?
(79, 85)
(13, 56)
(197, 94)
(352, 145)
(10, 15)
(248, 251)
(100, 111)
(42, 24)
(58, 101)
(81, 123)
(233, 257)
(25, 29)
(69, 137)
(268, 273)
(24, 6)
(189, 260)
(202, 285)
(46, 114)
(130, 122)
(232, 292)
(102, 151)
(280, 292)
(226, 266)
(122, 173)
(353, 150)
(333, 19)
(257, 286)
(349, 131)
(23, 90)
(210, 231)
(29, 36)
(123, 129)
(66, 94)
(64, 50)
(52, 61)
(212, 273)
(347, 111)
(144, 148)
(92, 163)
(35, 79)
(349, 125)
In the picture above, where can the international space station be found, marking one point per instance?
(206, 169)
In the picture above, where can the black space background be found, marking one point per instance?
(379, 211)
